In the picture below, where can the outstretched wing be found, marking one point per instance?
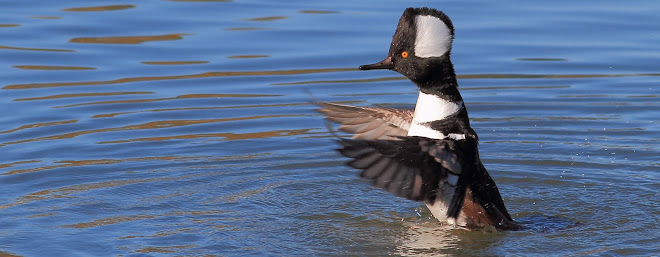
(416, 168)
(369, 123)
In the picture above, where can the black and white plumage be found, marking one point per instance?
(429, 154)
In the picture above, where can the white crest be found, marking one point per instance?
(433, 37)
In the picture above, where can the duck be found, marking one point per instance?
(429, 154)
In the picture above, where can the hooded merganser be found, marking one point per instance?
(431, 154)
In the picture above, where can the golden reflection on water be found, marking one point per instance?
(82, 95)
(159, 234)
(65, 164)
(110, 115)
(35, 49)
(40, 215)
(121, 219)
(63, 192)
(67, 191)
(248, 56)
(100, 8)
(174, 62)
(244, 194)
(12, 164)
(245, 28)
(168, 98)
(224, 136)
(110, 221)
(317, 11)
(72, 163)
(40, 124)
(6, 254)
(114, 114)
(154, 125)
(268, 18)
(52, 67)
(174, 77)
(126, 39)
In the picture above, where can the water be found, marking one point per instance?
(185, 127)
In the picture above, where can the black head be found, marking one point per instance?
(420, 47)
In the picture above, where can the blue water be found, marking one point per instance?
(186, 127)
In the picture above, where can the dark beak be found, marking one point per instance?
(384, 64)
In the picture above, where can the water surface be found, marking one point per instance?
(186, 127)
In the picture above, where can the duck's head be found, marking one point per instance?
(420, 46)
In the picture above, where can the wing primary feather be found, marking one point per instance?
(376, 170)
(364, 161)
(399, 183)
(354, 152)
(386, 176)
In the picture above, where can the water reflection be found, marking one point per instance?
(174, 62)
(38, 124)
(175, 77)
(114, 114)
(187, 96)
(59, 96)
(248, 56)
(100, 8)
(126, 39)
(268, 18)
(317, 11)
(245, 28)
(52, 67)
(6, 254)
(219, 136)
(428, 239)
(81, 163)
(160, 124)
(12, 164)
(35, 49)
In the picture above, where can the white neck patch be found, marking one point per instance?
(433, 37)
(431, 108)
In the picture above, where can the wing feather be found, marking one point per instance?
(368, 122)
(415, 168)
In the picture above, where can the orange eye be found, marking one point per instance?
(404, 54)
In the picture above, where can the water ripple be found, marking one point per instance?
(175, 77)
